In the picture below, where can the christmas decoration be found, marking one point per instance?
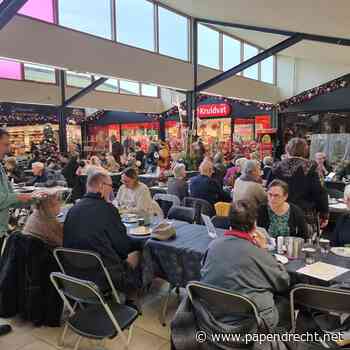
(312, 93)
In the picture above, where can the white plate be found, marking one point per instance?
(341, 251)
(281, 258)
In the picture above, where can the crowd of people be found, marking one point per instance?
(285, 197)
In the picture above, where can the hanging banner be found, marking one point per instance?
(214, 110)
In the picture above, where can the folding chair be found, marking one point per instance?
(220, 301)
(99, 319)
(201, 206)
(85, 265)
(325, 299)
(182, 214)
(166, 201)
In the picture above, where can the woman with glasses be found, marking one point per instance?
(279, 217)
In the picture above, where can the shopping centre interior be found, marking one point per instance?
(243, 76)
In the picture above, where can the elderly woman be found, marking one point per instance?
(235, 171)
(248, 185)
(111, 165)
(135, 197)
(279, 217)
(301, 175)
(255, 273)
(178, 185)
(341, 234)
(43, 223)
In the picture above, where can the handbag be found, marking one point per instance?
(163, 232)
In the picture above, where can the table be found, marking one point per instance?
(178, 261)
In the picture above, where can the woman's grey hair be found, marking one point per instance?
(249, 167)
(178, 170)
(218, 158)
(347, 192)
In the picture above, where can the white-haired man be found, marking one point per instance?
(94, 224)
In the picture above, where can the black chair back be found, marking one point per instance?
(200, 206)
(166, 201)
(221, 222)
(85, 265)
(325, 299)
(182, 214)
(220, 300)
(78, 290)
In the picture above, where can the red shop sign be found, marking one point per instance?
(214, 110)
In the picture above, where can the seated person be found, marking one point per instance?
(43, 223)
(14, 173)
(343, 171)
(135, 197)
(94, 224)
(234, 172)
(248, 185)
(111, 165)
(41, 175)
(178, 185)
(341, 234)
(279, 217)
(254, 272)
(203, 186)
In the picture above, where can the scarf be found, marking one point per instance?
(242, 235)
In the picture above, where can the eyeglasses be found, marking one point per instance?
(110, 185)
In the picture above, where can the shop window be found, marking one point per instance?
(39, 73)
(80, 80)
(173, 34)
(10, 70)
(231, 52)
(111, 85)
(267, 70)
(149, 90)
(129, 87)
(135, 23)
(250, 51)
(208, 47)
(88, 16)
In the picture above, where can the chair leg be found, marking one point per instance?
(61, 339)
(76, 347)
(165, 307)
(130, 331)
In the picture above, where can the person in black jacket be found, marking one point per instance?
(279, 217)
(94, 224)
(301, 175)
(341, 234)
(205, 187)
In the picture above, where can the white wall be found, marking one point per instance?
(295, 75)
(29, 40)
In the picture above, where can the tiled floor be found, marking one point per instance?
(148, 332)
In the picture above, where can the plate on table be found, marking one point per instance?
(140, 231)
(341, 251)
(281, 258)
(130, 218)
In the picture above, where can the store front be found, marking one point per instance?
(122, 126)
(26, 125)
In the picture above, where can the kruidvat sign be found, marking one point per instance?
(214, 110)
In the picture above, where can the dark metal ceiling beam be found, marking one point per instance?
(312, 37)
(8, 9)
(251, 62)
(84, 91)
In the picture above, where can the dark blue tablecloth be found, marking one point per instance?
(179, 261)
